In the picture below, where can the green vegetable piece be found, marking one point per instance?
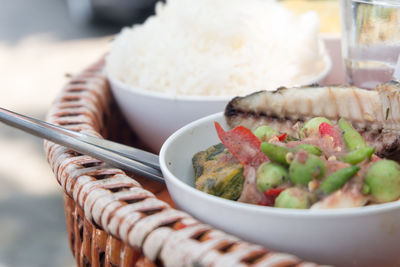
(230, 186)
(337, 179)
(291, 138)
(351, 137)
(309, 148)
(311, 126)
(270, 174)
(357, 156)
(383, 179)
(218, 173)
(275, 153)
(264, 133)
(294, 198)
(215, 151)
(226, 182)
(365, 189)
(199, 159)
(306, 167)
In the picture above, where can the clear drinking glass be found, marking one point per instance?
(370, 40)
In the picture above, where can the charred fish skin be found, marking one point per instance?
(374, 113)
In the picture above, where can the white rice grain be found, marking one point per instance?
(218, 47)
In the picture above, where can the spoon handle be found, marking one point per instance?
(132, 159)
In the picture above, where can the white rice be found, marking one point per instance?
(218, 47)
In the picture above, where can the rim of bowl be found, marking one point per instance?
(328, 213)
(171, 96)
(163, 96)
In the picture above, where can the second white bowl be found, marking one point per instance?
(155, 116)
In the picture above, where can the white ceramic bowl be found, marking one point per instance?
(154, 116)
(367, 236)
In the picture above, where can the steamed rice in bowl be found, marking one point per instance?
(192, 57)
(219, 47)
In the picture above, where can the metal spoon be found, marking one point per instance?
(121, 156)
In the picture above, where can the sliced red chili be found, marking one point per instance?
(270, 196)
(282, 137)
(327, 129)
(243, 144)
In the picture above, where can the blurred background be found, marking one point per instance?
(41, 42)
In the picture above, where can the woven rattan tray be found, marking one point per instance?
(118, 219)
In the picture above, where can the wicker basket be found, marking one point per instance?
(118, 219)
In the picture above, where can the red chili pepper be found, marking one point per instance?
(327, 129)
(270, 196)
(282, 137)
(243, 144)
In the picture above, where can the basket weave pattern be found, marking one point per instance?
(117, 219)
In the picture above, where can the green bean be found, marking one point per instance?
(309, 148)
(356, 156)
(270, 175)
(294, 198)
(291, 138)
(365, 189)
(311, 126)
(306, 167)
(264, 133)
(275, 153)
(336, 180)
(383, 180)
(351, 137)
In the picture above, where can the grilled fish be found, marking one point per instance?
(374, 113)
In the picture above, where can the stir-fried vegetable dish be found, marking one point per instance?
(325, 166)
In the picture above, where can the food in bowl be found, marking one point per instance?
(323, 166)
(219, 48)
(292, 161)
(365, 236)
